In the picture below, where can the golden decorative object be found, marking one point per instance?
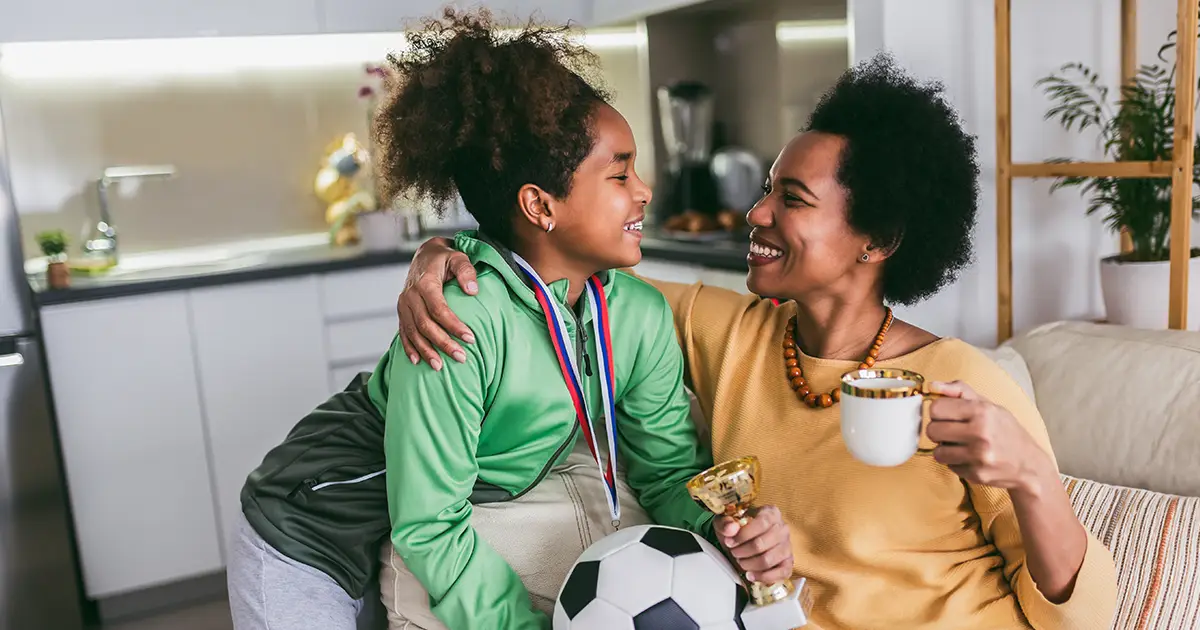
(338, 183)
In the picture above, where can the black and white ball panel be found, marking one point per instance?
(651, 577)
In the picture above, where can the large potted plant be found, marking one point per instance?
(1140, 126)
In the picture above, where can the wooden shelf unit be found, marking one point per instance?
(1179, 169)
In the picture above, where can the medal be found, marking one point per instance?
(566, 361)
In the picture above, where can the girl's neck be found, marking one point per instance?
(832, 328)
(552, 267)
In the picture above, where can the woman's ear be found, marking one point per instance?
(535, 206)
(879, 252)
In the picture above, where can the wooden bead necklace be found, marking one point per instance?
(791, 362)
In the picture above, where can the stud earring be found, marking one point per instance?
(549, 227)
(866, 258)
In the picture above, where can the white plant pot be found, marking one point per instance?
(380, 231)
(1137, 294)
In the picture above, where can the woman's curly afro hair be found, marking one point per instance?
(910, 170)
(483, 111)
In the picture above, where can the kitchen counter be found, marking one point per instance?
(305, 256)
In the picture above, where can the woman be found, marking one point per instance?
(874, 203)
(568, 359)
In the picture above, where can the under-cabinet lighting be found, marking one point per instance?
(808, 31)
(215, 56)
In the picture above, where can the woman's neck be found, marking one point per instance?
(832, 328)
(552, 267)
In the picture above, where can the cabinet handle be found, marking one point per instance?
(11, 360)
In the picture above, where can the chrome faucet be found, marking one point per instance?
(106, 242)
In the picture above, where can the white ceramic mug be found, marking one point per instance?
(884, 415)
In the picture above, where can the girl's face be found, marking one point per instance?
(802, 245)
(599, 224)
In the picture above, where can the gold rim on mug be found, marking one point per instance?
(850, 389)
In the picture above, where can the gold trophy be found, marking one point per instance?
(729, 489)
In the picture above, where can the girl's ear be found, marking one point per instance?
(536, 207)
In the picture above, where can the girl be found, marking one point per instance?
(569, 356)
(874, 204)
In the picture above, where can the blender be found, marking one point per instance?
(689, 192)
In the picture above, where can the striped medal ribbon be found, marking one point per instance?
(566, 361)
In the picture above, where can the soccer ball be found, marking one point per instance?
(651, 577)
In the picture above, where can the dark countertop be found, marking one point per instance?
(728, 255)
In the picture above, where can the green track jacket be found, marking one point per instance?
(482, 431)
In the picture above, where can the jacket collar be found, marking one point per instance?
(484, 250)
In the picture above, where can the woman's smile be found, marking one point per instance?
(763, 252)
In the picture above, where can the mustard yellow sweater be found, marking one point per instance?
(908, 547)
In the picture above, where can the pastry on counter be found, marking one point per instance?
(691, 221)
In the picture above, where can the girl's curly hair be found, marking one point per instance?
(483, 111)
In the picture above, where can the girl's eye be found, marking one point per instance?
(622, 177)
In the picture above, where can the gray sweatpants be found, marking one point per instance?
(269, 591)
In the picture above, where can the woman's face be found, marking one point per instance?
(802, 245)
(600, 221)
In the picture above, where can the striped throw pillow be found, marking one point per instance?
(1155, 542)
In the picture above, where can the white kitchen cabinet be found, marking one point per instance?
(732, 280)
(374, 16)
(358, 16)
(56, 20)
(670, 271)
(612, 12)
(551, 11)
(129, 422)
(362, 293)
(262, 366)
(360, 319)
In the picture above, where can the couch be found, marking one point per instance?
(1122, 407)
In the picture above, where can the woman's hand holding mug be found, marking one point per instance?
(982, 442)
(886, 411)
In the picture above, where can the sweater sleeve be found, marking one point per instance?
(1093, 600)
(656, 433)
(432, 430)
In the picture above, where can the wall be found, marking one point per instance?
(244, 120)
(1056, 247)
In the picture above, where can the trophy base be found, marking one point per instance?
(784, 614)
(763, 594)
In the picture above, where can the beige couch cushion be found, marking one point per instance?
(1012, 362)
(1122, 405)
(1155, 542)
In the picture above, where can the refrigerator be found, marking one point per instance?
(39, 571)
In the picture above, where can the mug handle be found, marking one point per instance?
(927, 398)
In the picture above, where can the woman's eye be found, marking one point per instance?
(766, 189)
(793, 200)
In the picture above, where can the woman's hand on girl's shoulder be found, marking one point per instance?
(762, 548)
(425, 320)
(983, 442)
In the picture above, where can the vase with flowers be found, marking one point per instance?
(1140, 126)
(383, 226)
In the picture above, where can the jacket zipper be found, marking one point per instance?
(582, 354)
(549, 464)
(315, 487)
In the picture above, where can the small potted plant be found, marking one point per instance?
(53, 244)
(1140, 128)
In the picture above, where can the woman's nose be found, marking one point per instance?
(760, 215)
